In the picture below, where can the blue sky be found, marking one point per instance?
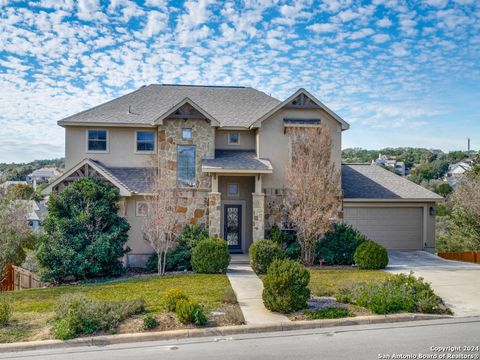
(401, 72)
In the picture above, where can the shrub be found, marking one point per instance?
(210, 256)
(397, 293)
(5, 312)
(180, 258)
(338, 245)
(371, 255)
(293, 251)
(282, 238)
(189, 311)
(171, 297)
(285, 286)
(76, 315)
(149, 322)
(262, 253)
(85, 236)
(328, 313)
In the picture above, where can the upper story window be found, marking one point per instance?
(97, 140)
(186, 166)
(233, 138)
(145, 141)
(186, 133)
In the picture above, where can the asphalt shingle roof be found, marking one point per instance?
(236, 159)
(231, 106)
(367, 181)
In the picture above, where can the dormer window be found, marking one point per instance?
(233, 138)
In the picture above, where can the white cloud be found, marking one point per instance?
(437, 3)
(347, 15)
(384, 22)
(380, 38)
(89, 10)
(156, 22)
(361, 33)
(323, 28)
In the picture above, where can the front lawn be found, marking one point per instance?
(327, 282)
(34, 309)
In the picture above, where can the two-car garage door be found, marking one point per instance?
(396, 228)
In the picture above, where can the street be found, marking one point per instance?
(433, 339)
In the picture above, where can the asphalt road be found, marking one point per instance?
(413, 340)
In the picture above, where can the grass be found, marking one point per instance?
(329, 282)
(34, 308)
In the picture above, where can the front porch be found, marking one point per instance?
(236, 201)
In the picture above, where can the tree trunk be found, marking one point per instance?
(159, 263)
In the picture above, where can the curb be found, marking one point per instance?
(105, 340)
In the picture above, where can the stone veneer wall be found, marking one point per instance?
(258, 209)
(274, 209)
(192, 206)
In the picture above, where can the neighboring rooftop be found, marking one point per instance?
(236, 160)
(366, 181)
(45, 172)
(233, 106)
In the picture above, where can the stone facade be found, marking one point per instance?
(192, 207)
(274, 208)
(214, 213)
(258, 216)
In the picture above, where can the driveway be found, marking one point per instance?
(457, 283)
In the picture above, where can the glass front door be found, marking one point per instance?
(232, 231)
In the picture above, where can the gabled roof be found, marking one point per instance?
(231, 106)
(102, 170)
(372, 182)
(345, 125)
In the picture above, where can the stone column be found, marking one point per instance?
(214, 214)
(258, 211)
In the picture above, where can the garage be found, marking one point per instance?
(387, 208)
(394, 228)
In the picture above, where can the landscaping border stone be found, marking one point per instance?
(104, 340)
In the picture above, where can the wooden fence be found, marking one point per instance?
(17, 278)
(467, 256)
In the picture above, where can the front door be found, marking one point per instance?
(232, 231)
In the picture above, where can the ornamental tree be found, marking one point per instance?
(84, 235)
(313, 194)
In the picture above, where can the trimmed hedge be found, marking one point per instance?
(286, 286)
(262, 253)
(338, 245)
(371, 256)
(211, 256)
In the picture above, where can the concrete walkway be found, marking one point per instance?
(454, 281)
(248, 288)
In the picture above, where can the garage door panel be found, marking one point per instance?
(394, 228)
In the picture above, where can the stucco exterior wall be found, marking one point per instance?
(121, 143)
(247, 140)
(274, 144)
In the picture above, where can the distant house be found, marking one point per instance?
(391, 162)
(43, 175)
(456, 171)
(36, 212)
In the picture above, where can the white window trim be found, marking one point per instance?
(137, 203)
(228, 138)
(238, 190)
(135, 151)
(191, 132)
(97, 151)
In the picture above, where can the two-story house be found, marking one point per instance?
(227, 148)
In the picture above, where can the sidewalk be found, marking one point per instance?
(248, 288)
